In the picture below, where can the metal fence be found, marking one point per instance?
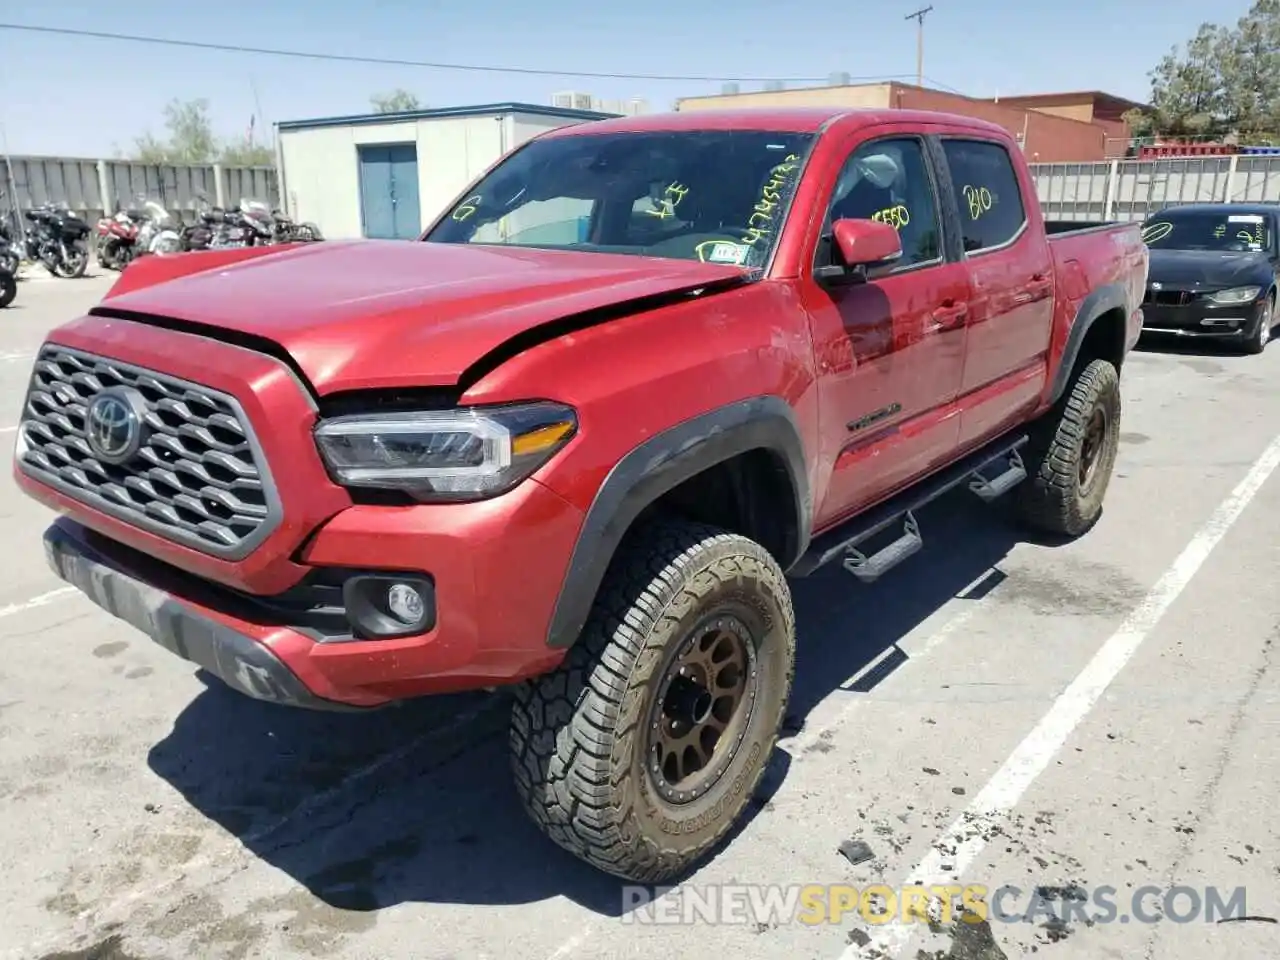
(93, 187)
(1135, 189)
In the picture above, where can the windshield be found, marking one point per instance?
(718, 196)
(1240, 232)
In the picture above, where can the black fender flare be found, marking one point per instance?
(657, 466)
(1102, 300)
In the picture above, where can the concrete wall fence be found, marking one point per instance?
(1105, 190)
(1135, 189)
(93, 187)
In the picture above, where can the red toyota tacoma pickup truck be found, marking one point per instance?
(575, 438)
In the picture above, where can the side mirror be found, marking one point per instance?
(862, 246)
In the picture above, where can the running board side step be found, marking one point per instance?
(1000, 457)
(1013, 474)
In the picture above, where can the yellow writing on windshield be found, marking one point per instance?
(896, 217)
(1257, 238)
(761, 219)
(667, 203)
(1220, 231)
(466, 208)
(979, 200)
(1155, 232)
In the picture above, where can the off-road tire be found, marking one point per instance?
(1051, 499)
(1256, 343)
(578, 736)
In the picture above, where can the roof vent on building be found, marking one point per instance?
(572, 100)
(729, 89)
(840, 79)
(775, 85)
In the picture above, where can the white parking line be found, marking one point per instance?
(8, 429)
(966, 835)
(10, 357)
(39, 601)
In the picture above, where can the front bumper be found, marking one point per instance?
(496, 565)
(1202, 319)
(237, 657)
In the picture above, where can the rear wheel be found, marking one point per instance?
(1260, 336)
(8, 288)
(639, 754)
(1072, 454)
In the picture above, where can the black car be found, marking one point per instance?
(1213, 272)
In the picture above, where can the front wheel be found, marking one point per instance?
(1260, 336)
(72, 263)
(8, 288)
(641, 751)
(1072, 454)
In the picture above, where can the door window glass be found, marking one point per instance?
(888, 181)
(986, 185)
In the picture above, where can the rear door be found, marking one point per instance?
(890, 352)
(1011, 279)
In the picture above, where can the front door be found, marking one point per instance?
(389, 191)
(890, 352)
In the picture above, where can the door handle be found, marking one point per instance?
(950, 315)
(1040, 285)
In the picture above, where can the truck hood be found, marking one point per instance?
(1208, 269)
(368, 313)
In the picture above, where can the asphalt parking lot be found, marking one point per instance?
(1060, 718)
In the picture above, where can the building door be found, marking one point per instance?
(389, 191)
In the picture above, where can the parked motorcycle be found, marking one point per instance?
(158, 232)
(117, 239)
(8, 287)
(286, 231)
(10, 249)
(57, 239)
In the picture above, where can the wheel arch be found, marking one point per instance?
(741, 467)
(1097, 333)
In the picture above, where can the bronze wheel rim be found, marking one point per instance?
(1091, 448)
(704, 704)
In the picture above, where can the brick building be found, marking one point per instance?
(1053, 128)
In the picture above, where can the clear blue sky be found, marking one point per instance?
(74, 96)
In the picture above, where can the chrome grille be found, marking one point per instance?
(198, 478)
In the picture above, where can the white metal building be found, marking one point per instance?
(390, 175)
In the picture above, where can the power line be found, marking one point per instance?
(428, 64)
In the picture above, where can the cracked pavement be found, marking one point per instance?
(152, 815)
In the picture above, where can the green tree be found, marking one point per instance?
(1187, 88)
(1250, 64)
(1225, 80)
(397, 101)
(246, 154)
(191, 140)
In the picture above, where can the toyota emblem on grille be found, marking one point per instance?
(114, 425)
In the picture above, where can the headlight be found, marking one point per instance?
(465, 454)
(1236, 295)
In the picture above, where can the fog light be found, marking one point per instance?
(405, 603)
(381, 606)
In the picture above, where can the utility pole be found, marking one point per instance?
(918, 17)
